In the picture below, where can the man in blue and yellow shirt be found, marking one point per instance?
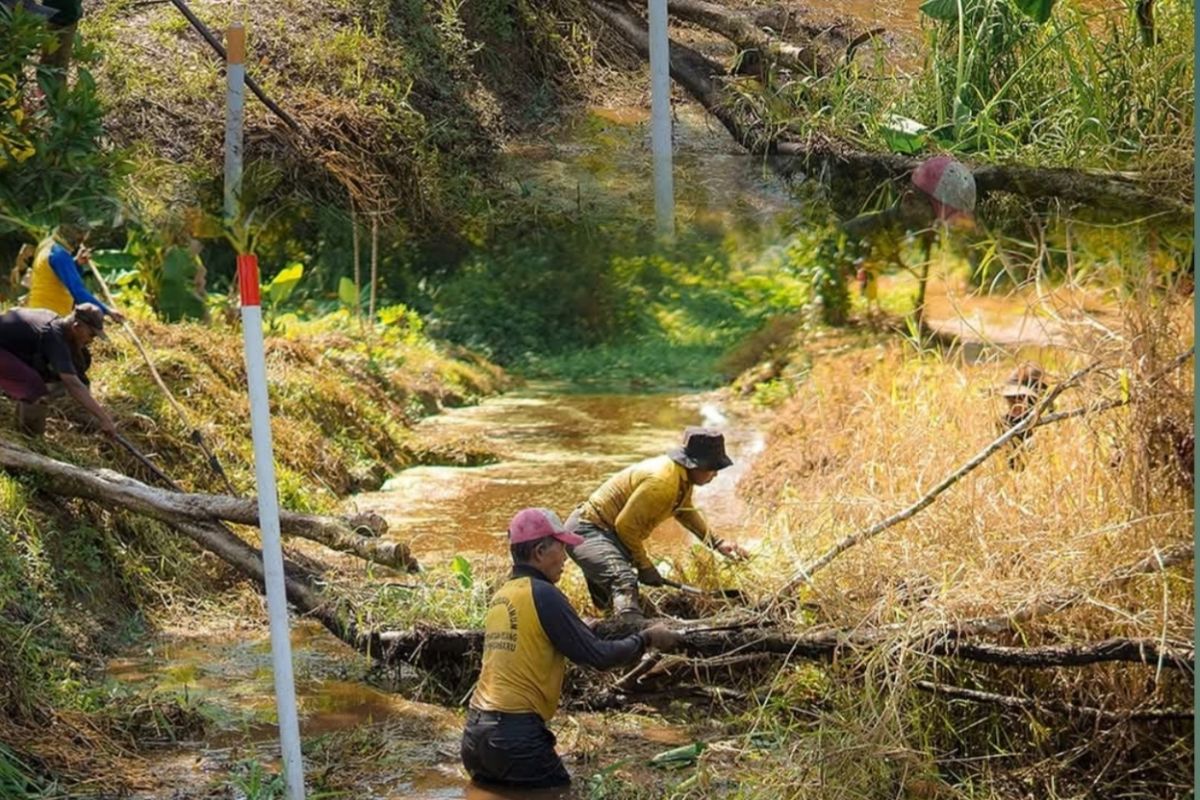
(56, 281)
(615, 521)
(529, 632)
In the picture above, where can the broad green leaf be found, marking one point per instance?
(1037, 10)
(176, 297)
(281, 286)
(944, 10)
(346, 293)
(903, 135)
(113, 262)
(462, 570)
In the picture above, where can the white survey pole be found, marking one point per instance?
(268, 516)
(660, 119)
(260, 428)
(235, 100)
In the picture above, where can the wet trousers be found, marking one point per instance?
(511, 750)
(608, 567)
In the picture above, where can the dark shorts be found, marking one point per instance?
(511, 750)
(20, 381)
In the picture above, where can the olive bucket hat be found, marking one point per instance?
(1027, 380)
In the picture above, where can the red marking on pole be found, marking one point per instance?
(247, 268)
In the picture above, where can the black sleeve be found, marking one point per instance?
(575, 640)
(57, 355)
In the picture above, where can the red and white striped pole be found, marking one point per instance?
(264, 456)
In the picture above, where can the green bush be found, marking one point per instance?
(50, 139)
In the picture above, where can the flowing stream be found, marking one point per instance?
(553, 447)
(556, 446)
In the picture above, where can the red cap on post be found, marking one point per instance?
(247, 268)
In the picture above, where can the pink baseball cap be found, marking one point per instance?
(949, 184)
(531, 524)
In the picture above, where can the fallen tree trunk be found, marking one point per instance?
(691, 70)
(440, 647)
(699, 76)
(113, 487)
(824, 646)
(746, 34)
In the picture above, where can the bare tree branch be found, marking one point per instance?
(1023, 703)
(804, 573)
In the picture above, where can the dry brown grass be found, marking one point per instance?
(875, 428)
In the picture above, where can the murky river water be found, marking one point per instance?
(555, 449)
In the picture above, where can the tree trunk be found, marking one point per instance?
(114, 488)
(742, 31)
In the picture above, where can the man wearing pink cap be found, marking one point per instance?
(942, 192)
(529, 632)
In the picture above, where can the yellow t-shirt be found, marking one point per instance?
(45, 289)
(529, 632)
(637, 499)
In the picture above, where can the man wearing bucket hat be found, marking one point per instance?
(529, 631)
(941, 192)
(616, 519)
(1022, 390)
(38, 348)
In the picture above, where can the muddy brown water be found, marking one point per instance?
(555, 448)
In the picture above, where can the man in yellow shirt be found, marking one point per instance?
(615, 521)
(56, 281)
(529, 631)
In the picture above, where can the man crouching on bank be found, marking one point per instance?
(529, 629)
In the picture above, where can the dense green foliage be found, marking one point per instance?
(1082, 90)
(602, 302)
(51, 158)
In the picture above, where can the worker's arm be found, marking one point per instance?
(649, 505)
(575, 640)
(691, 518)
(67, 270)
(83, 396)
